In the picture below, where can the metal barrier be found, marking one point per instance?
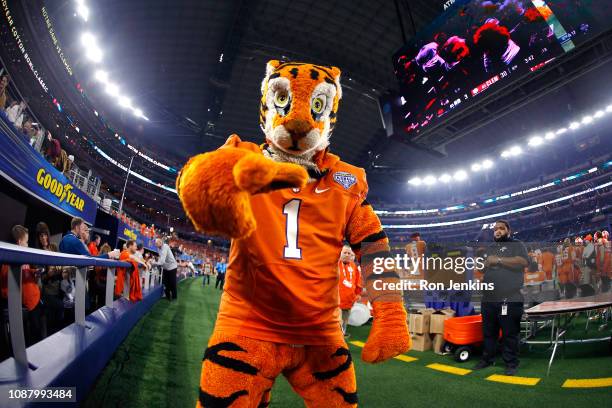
(16, 256)
(85, 181)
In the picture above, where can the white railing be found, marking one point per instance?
(16, 256)
(85, 181)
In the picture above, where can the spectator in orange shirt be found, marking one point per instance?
(94, 245)
(30, 292)
(128, 255)
(350, 286)
(548, 262)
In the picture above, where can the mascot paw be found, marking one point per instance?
(255, 173)
(389, 336)
(215, 188)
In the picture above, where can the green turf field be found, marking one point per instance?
(158, 365)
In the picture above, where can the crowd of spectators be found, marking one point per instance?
(196, 250)
(17, 112)
(48, 292)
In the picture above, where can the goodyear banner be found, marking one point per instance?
(126, 233)
(23, 166)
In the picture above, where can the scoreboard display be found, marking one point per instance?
(476, 46)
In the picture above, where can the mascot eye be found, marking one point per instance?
(281, 99)
(318, 104)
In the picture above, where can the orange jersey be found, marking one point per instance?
(565, 271)
(349, 285)
(282, 280)
(603, 258)
(578, 251)
(415, 250)
(607, 266)
(548, 261)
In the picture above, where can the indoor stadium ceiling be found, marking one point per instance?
(200, 63)
(195, 67)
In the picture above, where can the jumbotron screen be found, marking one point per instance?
(477, 46)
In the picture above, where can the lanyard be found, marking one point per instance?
(344, 268)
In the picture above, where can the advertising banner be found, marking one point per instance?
(23, 166)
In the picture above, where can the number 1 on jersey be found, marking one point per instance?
(292, 210)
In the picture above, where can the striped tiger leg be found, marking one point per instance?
(326, 378)
(237, 372)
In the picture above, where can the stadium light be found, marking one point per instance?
(500, 214)
(83, 11)
(138, 113)
(445, 178)
(429, 180)
(112, 89)
(94, 54)
(101, 75)
(535, 141)
(415, 181)
(515, 150)
(460, 175)
(88, 39)
(92, 50)
(125, 102)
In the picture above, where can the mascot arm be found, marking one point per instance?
(389, 335)
(215, 187)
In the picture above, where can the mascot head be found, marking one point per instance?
(299, 104)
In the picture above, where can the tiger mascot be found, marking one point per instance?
(288, 205)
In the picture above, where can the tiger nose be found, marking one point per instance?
(297, 128)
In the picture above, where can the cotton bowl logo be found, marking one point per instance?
(345, 179)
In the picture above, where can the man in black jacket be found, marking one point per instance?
(502, 307)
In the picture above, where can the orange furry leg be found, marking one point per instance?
(326, 377)
(238, 372)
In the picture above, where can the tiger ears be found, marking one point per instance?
(271, 66)
(336, 74)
